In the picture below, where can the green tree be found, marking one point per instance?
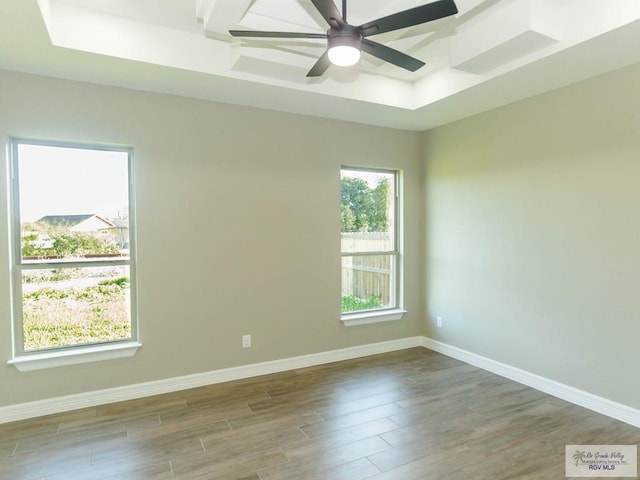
(364, 209)
(28, 239)
(380, 208)
(64, 243)
(78, 244)
(348, 219)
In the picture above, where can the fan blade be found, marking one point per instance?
(259, 34)
(320, 66)
(390, 55)
(330, 13)
(409, 18)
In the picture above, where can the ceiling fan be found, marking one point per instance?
(345, 41)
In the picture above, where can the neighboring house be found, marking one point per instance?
(79, 223)
(116, 229)
(120, 232)
(89, 223)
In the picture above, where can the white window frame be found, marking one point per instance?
(395, 311)
(72, 354)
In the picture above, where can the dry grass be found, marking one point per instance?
(56, 317)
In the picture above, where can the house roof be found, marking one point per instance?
(71, 220)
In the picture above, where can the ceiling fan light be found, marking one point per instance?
(344, 55)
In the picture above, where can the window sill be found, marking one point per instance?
(63, 357)
(364, 318)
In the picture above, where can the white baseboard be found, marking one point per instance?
(573, 395)
(49, 406)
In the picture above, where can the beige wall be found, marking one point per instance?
(531, 254)
(533, 238)
(238, 228)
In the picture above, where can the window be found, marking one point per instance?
(370, 246)
(73, 251)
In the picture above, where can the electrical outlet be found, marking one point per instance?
(439, 322)
(246, 341)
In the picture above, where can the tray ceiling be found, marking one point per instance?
(491, 53)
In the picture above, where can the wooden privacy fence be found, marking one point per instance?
(371, 275)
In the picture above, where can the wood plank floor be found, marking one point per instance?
(409, 415)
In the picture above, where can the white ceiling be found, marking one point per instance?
(491, 53)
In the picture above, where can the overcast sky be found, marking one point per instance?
(71, 181)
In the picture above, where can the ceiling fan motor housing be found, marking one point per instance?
(347, 36)
(344, 45)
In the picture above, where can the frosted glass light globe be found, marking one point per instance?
(344, 55)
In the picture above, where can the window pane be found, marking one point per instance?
(368, 282)
(74, 203)
(71, 306)
(367, 211)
